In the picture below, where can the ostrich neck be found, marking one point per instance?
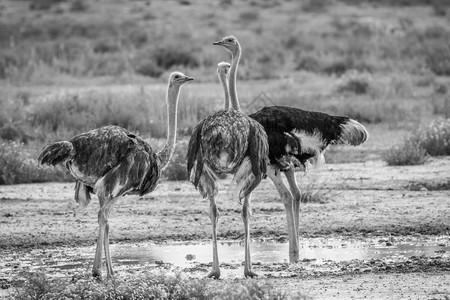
(226, 92)
(172, 105)
(233, 74)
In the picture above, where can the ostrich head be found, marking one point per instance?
(177, 79)
(223, 68)
(230, 43)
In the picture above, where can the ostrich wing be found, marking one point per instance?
(113, 160)
(195, 154)
(302, 134)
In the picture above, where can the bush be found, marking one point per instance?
(78, 6)
(437, 57)
(248, 16)
(148, 67)
(338, 67)
(307, 63)
(410, 153)
(19, 166)
(434, 138)
(176, 169)
(168, 56)
(355, 82)
(43, 4)
(315, 6)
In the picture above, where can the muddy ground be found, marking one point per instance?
(353, 202)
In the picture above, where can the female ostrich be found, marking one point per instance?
(111, 162)
(295, 137)
(228, 142)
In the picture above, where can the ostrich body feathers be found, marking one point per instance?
(297, 135)
(219, 144)
(109, 161)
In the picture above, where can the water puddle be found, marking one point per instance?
(231, 254)
(184, 255)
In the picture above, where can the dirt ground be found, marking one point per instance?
(356, 201)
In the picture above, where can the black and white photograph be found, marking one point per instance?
(224, 149)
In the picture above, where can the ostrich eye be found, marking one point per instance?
(230, 40)
(176, 76)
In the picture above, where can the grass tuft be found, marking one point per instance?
(410, 153)
(430, 140)
(147, 285)
(434, 138)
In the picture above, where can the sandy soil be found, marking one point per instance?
(354, 200)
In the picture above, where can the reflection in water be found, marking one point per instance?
(184, 255)
(231, 254)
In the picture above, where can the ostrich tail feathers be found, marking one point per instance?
(55, 153)
(194, 155)
(207, 182)
(353, 133)
(244, 180)
(82, 194)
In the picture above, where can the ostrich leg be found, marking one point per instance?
(214, 216)
(246, 214)
(290, 175)
(287, 199)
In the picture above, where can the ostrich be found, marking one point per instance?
(111, 162)
(228, 142)
(295, 138)
(222, 71)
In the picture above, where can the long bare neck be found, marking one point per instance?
(226, 92)
(233, 74)
(172, 106)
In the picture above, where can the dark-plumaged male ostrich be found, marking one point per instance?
(111, 162)
(230, 142)
(295, 138)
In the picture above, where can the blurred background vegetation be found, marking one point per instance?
(67, 66)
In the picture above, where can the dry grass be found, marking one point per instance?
(147, 285)
(371, 65)
(428, 140)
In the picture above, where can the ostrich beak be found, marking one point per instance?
(218, 43)
(186, 79)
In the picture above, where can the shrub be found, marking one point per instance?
(248, 16)
(19, 166)
(410, 153)
(106, 46)
(78, 6)
(338, 67)
(437, 57)
(148, 67)
(43, 4)
(315, 6)
(168, 56)
(12, 132)
(355, 82)
(176, 169)
(434, 138)
(307, 63)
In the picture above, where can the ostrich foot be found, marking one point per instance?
(214, 274)
(250, 274)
